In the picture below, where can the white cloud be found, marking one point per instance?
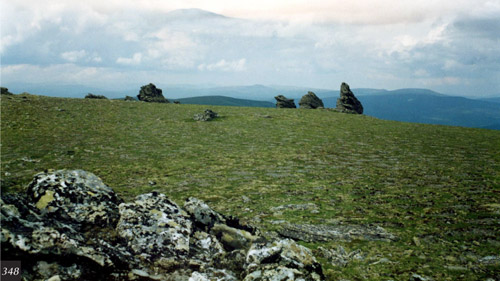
(74, 56)
(81, 56)
(64, 73)
(223, 65)
(134, 60)
(448, 80)
(421, 72)
(379, 43)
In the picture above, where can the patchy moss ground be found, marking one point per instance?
(436, 187)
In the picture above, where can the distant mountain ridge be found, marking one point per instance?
(222, 100)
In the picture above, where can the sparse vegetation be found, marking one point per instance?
(435, 187)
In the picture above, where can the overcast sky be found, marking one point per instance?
(451, 47)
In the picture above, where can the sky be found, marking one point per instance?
(452, 47)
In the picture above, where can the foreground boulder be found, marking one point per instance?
(207, 115)
(311, 101)
(149, 93)
(283, 102)
(92, 96)
(347, 102)
(71, 226)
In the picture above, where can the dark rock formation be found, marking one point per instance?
(129, 98)
(324, 233)
(71, 226)
(283, 102)
(347, 102)
(177, 102)
(5, 91)
(311, 101)
(208, 115)
(149, 93)
(92, 96)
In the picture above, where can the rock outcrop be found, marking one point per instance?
(207, 115)
(311, 101)
(92, 96)
(325, 233)
(5, 91)
(129, 98)
(149, 93)
(71, 226)
(283, 102)
(347, 102)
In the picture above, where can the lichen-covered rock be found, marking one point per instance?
(233, 238)
(75, 195)
(339, 256)
(149, 93)
(324, 233)
(311, 101)
(71, 226)
(155, 226)
(283, 102)
(282, 260)
(207, 115)
(80, 252)
(202, 214)
(347, 102)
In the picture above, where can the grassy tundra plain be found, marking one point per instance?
(436, 188)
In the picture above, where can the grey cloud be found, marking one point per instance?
(479, 27)
(194, 45)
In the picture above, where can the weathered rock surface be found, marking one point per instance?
(283, 102)
(339, 256)
(295, 207)
(71, 226)
(5, 91)
(347, 102)
(324, 233)
(311, 101)
(207, 115)
(149, 93)
(92, 96)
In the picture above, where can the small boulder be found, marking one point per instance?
(149, 93)
(92, 96)
(208, 115)
(283, 102)
(311, 101)
(348, 103)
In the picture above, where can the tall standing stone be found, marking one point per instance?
(149, 93)
(347, 102)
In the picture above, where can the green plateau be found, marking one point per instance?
(437, 188)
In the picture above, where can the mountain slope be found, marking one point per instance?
(424, 106)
